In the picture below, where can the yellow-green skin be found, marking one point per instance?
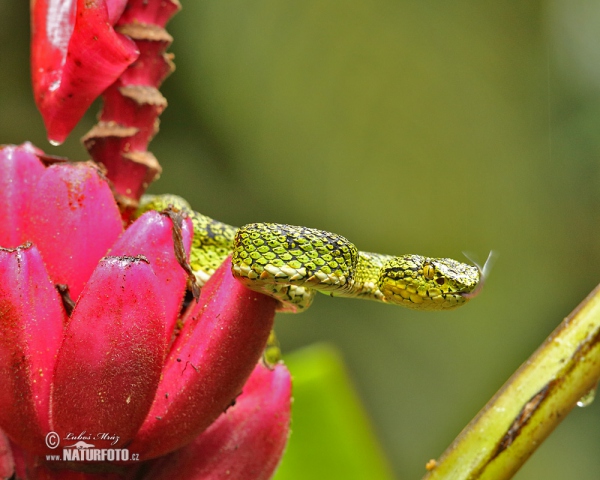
(291, 263)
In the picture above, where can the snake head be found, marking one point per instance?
(428, 283)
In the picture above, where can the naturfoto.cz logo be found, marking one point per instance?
(79, 448)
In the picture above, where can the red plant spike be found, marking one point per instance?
(75, 55)
(84, 48)
(132, 104)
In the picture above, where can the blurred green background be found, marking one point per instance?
(409, 127)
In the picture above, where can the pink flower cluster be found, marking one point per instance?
(95, 339)
(107, 369)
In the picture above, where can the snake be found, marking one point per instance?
(292, 263)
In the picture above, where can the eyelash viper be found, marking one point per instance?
(292, 263)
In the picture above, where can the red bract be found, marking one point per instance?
(84, 48)
(104, 360)
(75, 55)
(32, 330)
(73, 206)
(19, 174)
(112, 353)
(210, 359)
(133, 103)
(7, 462)
(246, 442)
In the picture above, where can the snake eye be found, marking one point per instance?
(440, 280)
(428, 272)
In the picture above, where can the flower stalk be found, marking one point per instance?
(531, 404)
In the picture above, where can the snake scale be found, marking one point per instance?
(292, 263)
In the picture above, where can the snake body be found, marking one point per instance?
(291, 263)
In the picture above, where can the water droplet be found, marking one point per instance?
(272, 352)
(588, 398)
(54, 143)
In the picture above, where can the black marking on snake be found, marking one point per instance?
(290, 241)
(389, 270)
(209, 230)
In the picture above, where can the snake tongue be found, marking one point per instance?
(483, 273)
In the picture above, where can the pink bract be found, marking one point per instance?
(89, 343)
(247, 441)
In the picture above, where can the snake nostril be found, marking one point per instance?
(440, 280)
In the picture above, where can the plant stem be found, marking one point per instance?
(531, 404)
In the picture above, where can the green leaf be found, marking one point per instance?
(331, 434)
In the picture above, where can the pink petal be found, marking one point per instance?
(32, 322)
(109, 364)
(151, 235)
(247, 441)
(7, 463)
(222, 339)
(75, 55)
(20, 169)
(74, 221)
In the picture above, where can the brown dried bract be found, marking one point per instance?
(177, 219)
(68, 302)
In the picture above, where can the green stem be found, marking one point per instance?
(531, 404)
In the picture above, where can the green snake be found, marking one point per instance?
(291, 263)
